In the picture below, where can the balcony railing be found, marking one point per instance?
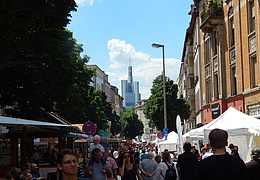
(211, 15)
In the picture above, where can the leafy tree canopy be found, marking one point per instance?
(132, 125)
(154, 107)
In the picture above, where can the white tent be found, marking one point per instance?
(170, 143)
(243, 130)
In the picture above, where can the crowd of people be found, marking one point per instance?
(144, 163)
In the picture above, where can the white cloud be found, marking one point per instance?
(120, 53)
(145, 69)
(86, 2)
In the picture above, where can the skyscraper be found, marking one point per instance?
(130, 90)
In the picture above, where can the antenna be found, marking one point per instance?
(129, 60)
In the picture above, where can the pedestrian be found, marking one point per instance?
(36, 172)
(233, 150)
(164, 166)
(143, 155)
(137, 158)
(128, 170)
(186, 163)
(14, 173)
(111, 165)
(99, 169)
(220, 165)
(158, 159)
(26, 175)
(81, 170)
(67, 163)
(148, 167)
(253, 167)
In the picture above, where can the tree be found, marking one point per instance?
(132, 125)
(154, 107)
(37, 55)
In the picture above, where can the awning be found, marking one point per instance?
(77, 135)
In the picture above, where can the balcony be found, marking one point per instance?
(211, 16)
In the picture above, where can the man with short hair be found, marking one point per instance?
(220, 165)
(186, 163)
(253, 167)
(111, 165)
(148, 167)
(97, 167)
(67, 162)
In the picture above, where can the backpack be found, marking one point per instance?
(170, 172)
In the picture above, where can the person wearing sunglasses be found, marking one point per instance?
(128, 170)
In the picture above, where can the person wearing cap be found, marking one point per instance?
(35, 172)
(221, 165)
(253, 167)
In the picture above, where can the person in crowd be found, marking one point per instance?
(163, 166)
(158, 159)
(148, 167)
(195, 151)
(98, 169)
(137, 158)
(36, 156)
(143, 155)
(67, 163)
(128, 170)
(186, 163)
(14, 173)
(96, 144)
(220, 165)
(236, 152)
(233, 150)
(253, 167)
(26, 175)
(47, 156)
(53, 158)
(81, 170)
(165, 150)
(8, 176)
(111, 165)
(36, 172)
(206, 153)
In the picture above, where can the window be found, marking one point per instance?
(231, 27)
(254, 72)
(215, 43)
(251, 16)
(216, 87)
(208, 91)
(233, 81)
(207, 51)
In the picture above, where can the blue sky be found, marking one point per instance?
(112, 31)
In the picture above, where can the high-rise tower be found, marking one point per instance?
(130, 90)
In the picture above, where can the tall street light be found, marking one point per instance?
(164, 87)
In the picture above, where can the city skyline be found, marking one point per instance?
(111, 31)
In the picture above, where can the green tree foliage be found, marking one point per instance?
(37, 54)
(132, 125)
(154, 107)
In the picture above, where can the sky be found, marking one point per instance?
(116, 32)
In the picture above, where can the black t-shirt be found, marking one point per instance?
(130, 174)
(224, 167)
(187, 162)
(253, 169)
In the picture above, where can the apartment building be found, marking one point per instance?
(225, 51)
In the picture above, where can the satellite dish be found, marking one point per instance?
(115, 154)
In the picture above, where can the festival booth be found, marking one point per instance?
(243, 131)
(170, 143)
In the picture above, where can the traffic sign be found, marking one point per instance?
(89, 128)
(151, 130)
(160, 135)
(165, 132)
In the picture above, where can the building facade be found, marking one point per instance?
(130, 90)
(100, 81)
(225, 39)
(149, 133)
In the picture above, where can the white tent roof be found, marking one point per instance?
(235, 122)
(171, 139)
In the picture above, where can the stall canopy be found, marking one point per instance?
(15, 127)
(243, 130)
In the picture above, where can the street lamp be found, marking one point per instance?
(164, 87)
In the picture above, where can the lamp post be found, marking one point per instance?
(155, 45)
